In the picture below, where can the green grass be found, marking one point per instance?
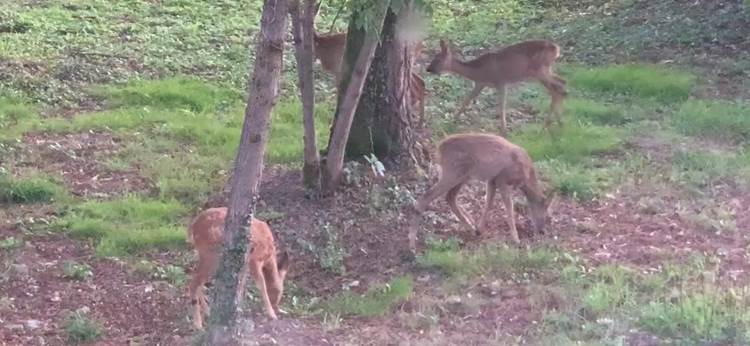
(80, 328)
(377, 301)
(129, 225)
(582, 181)
(709, 316)
(173, 93)
(708, 168)
(571, 142)
(597, 113)
(16, 117)
(714, 119)
(31, 189)
(643, 81)
(501, 260)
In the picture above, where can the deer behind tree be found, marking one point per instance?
(206, 234)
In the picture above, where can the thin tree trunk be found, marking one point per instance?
(302, 30)
(354, 79)
(247, 171)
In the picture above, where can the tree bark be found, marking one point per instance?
(247, 171)
(386, 121)
(352, 81)
(302, 30)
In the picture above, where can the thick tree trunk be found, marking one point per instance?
(385, 121)
(302, 30)
(247, 171)
(353, 78)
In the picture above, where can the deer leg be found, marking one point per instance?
(442, 187)
(460, 212)
(204, 270)
(472, 95)
(554, 90)
(256, 271)
(489, 201)
(508, 200)
(501, 98)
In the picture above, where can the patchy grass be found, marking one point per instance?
(708, 168)
(377, 301)
(571, 142)
(582, 181)
(714, 316)
(16, 117)
(10, 243)
(644, 81)
(31, 189)
(128, 225)
(285, 140)
(714, 119)
(500, 260)
(80, 328)
(173, 93)
(597, 113)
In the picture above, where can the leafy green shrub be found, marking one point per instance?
(645, 81)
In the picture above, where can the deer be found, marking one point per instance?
(501, 165)
(516, 63)
(206, 235)
(329, 50)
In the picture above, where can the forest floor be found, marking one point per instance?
(119, 122)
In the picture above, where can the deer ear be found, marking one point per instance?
(443, 46)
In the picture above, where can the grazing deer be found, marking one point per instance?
(498, 162)
(512, 64)
(329, 49)
(206, 234)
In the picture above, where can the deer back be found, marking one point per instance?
(483, 157)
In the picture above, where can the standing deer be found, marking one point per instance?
(512, 64)
(329, 49)
(499, 163)
(206, 234)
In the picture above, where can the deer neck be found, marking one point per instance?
(531, 189)
(464, 69)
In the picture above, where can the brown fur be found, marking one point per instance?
(206, 234)
(496, 161)
(513, 64)
(329, 49)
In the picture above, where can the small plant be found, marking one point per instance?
(331, 257)
(388, 197)
(377, 301)
(80, 328)
(172, 274)
(714, 219)
(10, 243)
(76, 271)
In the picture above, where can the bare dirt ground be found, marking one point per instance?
(136, 309)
